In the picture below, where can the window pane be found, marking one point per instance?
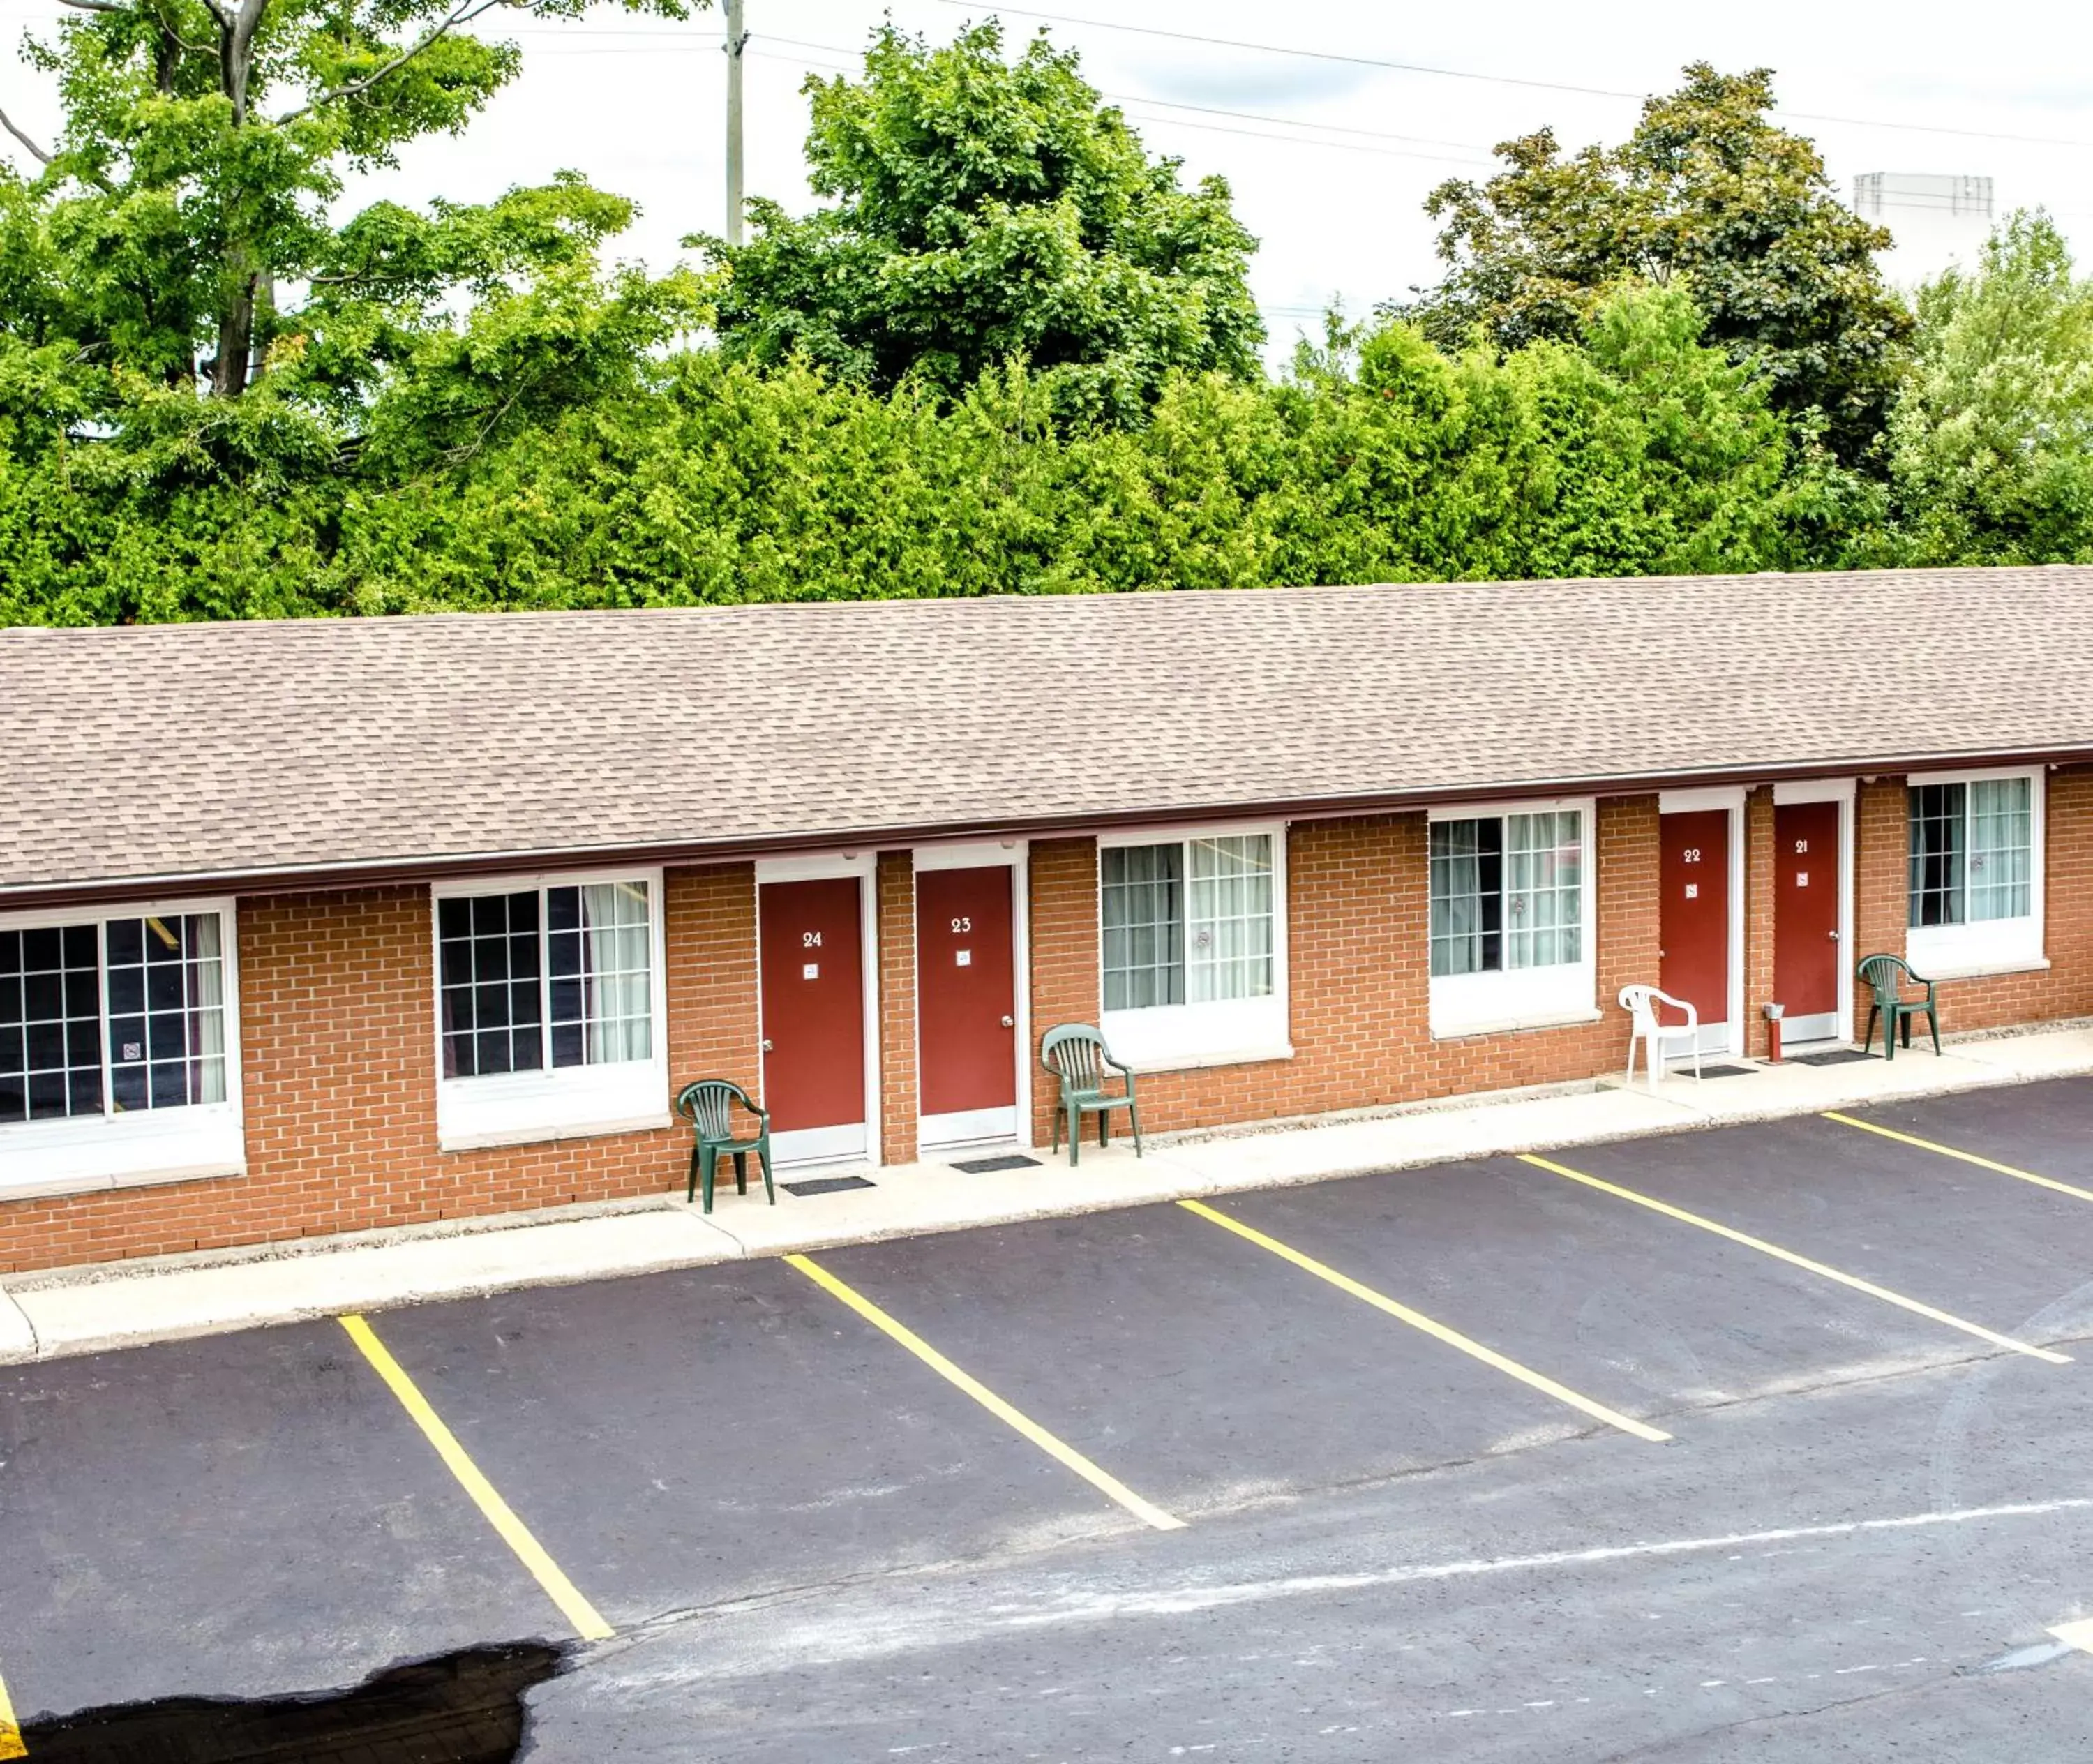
(1937, 853)
(1467, 896)
(2001, 849)
(171, 1054)
(1143, 908)
(50, 1024)
(488, 969)
(1228, 935)
(598, 953)
(1544, 889)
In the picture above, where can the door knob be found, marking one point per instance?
(1009, 1022)
(766, 1044)
(1835, 937)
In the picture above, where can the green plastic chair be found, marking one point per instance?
(1888, 975)
(708, 1106)
(1076, 1054)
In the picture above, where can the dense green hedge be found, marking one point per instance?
(1378, 459)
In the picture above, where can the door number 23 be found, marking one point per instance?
(963, 925)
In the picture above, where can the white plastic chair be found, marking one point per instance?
(1640, 1003)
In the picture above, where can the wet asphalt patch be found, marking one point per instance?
(461, 1708)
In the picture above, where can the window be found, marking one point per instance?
(1973, 884)
(548, 1006)
(1192, 949)
(1510, 925)
(115, 1058)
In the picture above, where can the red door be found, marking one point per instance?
(811, 966)
(965, 997)
(1805, 915)
(1694, 921)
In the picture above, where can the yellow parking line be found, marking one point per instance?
(1965, 1157)
(1438, 1331)
(587, 1620)
(10, 1730)
(1789, 1256)
(1146, 1511)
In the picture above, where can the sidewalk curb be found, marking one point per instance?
(60, 1314)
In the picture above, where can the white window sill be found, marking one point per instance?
(1510, 1025)
(1977, 970)
(522, 1108)
(544, 1132)
(58, 1186)
(1964, 952)
(90, 1152)
(1233, 1057)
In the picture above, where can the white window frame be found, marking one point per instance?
(511, 1108)
(1522, 998)
(1987, 946)
(82, 1153)
(1176, 1038)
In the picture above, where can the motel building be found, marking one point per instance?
(325, 925)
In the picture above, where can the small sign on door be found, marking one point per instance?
(810, 970)
(1692, 890)
(963, 958)
(1802, 878)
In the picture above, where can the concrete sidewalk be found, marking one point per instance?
(80, 1310)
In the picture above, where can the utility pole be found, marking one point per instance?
(737, 39)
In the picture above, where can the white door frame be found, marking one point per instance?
(958, 1129)
(1840, 790)
(1728, 1038)
(831, 1145)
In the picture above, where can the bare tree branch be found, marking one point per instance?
(8, 123)
(464, 13)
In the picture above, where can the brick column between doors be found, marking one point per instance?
(898, 1091)
(1759, 919)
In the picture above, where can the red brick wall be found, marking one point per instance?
(1063, 909)
(338, 1046)
(897, 1007)
(1358, 914)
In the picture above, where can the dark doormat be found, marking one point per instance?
(826, 1185)
(1718, 1072)
(1009, 1160)
(1838, 1057)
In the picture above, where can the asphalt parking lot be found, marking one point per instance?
(856, 1506)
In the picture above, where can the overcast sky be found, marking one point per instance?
(1329, 160)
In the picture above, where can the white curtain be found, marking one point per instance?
(617, 1003)
(204, 958)
(2001, 841)
(1457, 897)
(1230, 934)
(1544, 890)
(1143, 920)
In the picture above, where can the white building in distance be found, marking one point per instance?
(1936, 220)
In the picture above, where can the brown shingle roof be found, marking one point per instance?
(206, 752)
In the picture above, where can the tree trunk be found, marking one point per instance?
(230, 372)
(236, 334)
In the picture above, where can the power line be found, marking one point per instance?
(1501, 79)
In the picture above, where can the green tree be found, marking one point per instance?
(984, 210)
(204, 142)
(1993, 438)
(1707, 191)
